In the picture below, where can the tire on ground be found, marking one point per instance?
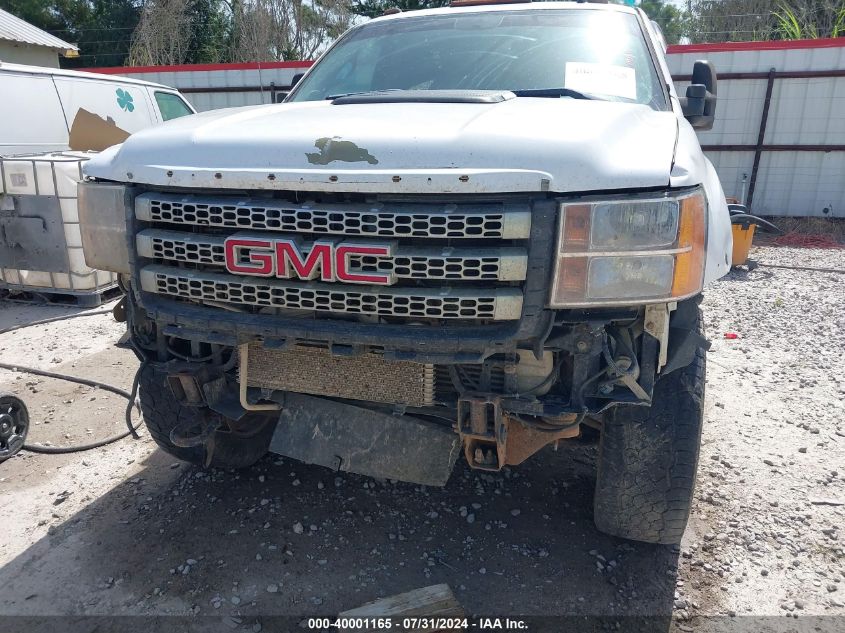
(648, 457)
(162, 412)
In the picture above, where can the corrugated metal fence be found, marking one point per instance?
(779, 137)
(778, 141)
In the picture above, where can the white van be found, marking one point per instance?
(47, 109)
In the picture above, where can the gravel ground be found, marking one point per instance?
(127, 531)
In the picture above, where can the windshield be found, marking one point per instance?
(599, 53)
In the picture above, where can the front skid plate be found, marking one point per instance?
(347, 438)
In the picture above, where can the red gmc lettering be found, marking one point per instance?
(342, 272)
(283, 258)
(259, 263)
(319, 259)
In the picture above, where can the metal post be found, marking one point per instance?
(758, 150)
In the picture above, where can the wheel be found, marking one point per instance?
(648, 458)
(231, 449)
(14, 424)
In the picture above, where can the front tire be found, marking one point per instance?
(648, 457)
(163, 412)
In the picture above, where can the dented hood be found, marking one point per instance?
(522, 144)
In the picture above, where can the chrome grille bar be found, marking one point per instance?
(448, 221)
(468, 264)
(497, 303)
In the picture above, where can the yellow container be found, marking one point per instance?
(743, 236)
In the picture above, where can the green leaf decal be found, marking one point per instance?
(124, 100)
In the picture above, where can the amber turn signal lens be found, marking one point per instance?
(692, 238)
(576, 228)
(571, 283)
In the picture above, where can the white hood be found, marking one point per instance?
(522, 144)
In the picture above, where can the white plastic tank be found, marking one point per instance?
(40, 242)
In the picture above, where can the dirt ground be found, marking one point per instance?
(126, 530)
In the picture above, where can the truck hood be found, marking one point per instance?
(521, 144)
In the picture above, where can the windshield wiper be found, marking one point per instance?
(550, 93)
(555, 92)
(360, 92)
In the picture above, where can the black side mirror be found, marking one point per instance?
(699, 105)
(279, 96)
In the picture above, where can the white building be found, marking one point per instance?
(23, 43)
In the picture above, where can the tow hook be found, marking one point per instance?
(484, 431)
(493, 439)
(197, 431)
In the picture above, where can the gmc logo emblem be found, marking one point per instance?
(285, 258)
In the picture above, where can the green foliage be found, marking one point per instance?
(672, 20)
(839, 26)
(788, 25)
(215, 30)
(100, 28)
(756, 20)
(375, 8)
(103, 36)
(209, 34)
(809, 20)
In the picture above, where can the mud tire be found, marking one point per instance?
(648, 457)
(162, 412)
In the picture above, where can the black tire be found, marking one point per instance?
(14, 425)
(648, 457)
(162, 412)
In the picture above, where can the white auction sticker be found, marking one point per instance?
(606, 79)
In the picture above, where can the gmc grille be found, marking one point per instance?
(449, 261)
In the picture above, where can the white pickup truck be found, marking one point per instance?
(471, 230)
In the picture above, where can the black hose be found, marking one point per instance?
(132, 429)
(747, 218)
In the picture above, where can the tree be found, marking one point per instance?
(54, 17)
(754, 20)
(672, 20)
(266, 30)
(730, 20)
(181, 32)
(101, 28)
(104, 35)
(810, 20)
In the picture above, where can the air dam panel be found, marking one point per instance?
(357, 440)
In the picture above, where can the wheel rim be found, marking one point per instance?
(14, 424)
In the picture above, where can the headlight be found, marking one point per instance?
(102, 223)
(630, 252)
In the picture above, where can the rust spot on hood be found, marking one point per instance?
(332, 149)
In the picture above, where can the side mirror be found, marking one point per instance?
(296, 79)
(699, 105)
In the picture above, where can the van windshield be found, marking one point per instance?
(602, 54)
(171, 106)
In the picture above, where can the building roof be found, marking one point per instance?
(14, 29)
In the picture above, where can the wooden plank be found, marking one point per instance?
(436, 601)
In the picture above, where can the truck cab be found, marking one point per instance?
(469, 231)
